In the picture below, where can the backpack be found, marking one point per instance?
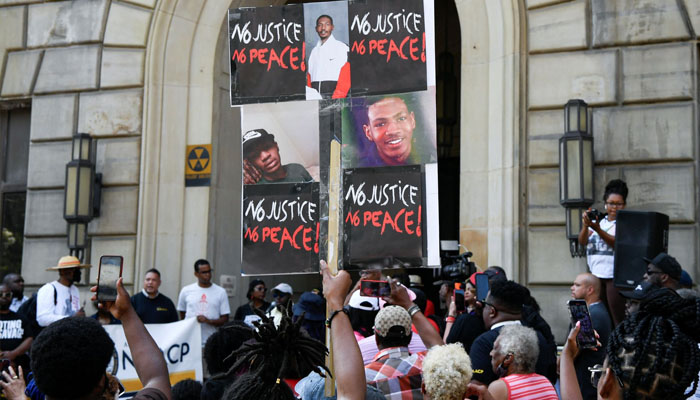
(28, 311)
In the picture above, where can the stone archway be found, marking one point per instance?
(492, 125)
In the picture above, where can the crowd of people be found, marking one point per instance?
(400, 346)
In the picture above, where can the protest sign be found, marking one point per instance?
(280, 228)
(181, 345)
(383, 214)
(267, 53)
(387, 46)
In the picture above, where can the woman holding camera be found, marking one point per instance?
(598, 234)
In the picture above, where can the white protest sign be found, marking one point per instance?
(181, 345)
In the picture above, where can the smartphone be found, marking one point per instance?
(579, 312)
(371, 288)
(459, 298)
(482, 286)
(109, 273)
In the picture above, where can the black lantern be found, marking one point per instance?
(575, 169)
(82, 192)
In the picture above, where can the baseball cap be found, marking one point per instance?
(640, 291)
(363, 302)
(284, 288)
(252, 138)
(667, 264)
(311, 304)
(392, 317)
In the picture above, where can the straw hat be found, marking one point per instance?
(68, 262)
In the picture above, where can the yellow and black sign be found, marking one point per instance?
(198, 165)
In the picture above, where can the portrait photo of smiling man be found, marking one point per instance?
(388, 130)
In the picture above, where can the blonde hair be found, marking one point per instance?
(447, 371)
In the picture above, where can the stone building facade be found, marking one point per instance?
(147, 78)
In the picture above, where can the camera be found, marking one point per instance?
(595, 215)
(460, 270)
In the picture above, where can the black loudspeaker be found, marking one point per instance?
(638, 234)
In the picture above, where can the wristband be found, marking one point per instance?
(450, 320)
(413, 310)
(333, 314)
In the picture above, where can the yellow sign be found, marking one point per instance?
(198, 165)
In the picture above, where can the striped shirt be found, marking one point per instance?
(529, 387)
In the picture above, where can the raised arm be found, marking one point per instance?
(148, 360)
(399, 297)
(350, 374)
(567, 372)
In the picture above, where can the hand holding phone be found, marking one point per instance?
(371, 288)
(109, 273)
(579, 312)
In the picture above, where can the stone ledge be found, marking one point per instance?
(658, 72)
(558, 27)
(12, 27)
(53, 117)
(118, 160)
(632, 21)
(114, 112)
(118, 212)
(66, 22)
(127, 25)
(553, 79)
(643, 133)
(122, 67)
(69, 68)
(44, 214)
(20, 72)
(47, 164)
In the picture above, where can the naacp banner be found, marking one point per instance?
(181, 345)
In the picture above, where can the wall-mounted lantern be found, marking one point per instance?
(575, 170)
(82, 193)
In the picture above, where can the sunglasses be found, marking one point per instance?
(650, 272)
(486, 303)
(8, 294)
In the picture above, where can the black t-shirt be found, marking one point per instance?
(247, 309)
(466, 329)
(588, 358)
(13, 331)
(481, 358)
(159, 310)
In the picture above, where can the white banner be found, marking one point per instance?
(181, 345)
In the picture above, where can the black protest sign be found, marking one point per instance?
(268, 57)
(387, 46)
(383, 214)
(280, 228)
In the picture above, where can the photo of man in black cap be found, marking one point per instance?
(262, 162)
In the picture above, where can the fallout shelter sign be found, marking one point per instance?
(198, 165)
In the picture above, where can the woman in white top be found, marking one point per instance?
(599, 236)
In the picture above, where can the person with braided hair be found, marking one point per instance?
(652, 354)
(284, 352)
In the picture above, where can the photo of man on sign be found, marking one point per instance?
(262, 164)
(280, 143)
(391, 130)
(328, 75)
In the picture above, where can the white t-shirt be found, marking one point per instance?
(211, 302)
(67, 302)
(601, 257)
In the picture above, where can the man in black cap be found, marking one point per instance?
(634, 297)
(262, 163)
(663, 271)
